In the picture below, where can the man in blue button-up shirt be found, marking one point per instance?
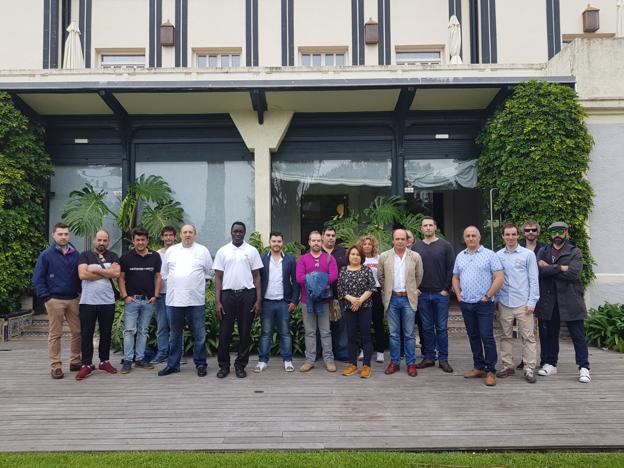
(516, 300)
(477, 277)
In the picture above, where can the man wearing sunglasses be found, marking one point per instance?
(561, 299)
(531, 230)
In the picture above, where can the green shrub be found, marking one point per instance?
(604, 327)
(535, 151)
(24, 172)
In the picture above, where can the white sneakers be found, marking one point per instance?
(260, 367)
(584, 375)
(547, 370)
(361, 356)
(288, 366)
(380, 357)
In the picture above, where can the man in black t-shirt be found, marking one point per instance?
(139, 285)
(97, 268)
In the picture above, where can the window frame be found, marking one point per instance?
(219, 53)
(420, 49)
(102, 53)
(324, 53)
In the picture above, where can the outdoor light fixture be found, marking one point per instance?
(591, 19)
(371, 32)
(167, 34)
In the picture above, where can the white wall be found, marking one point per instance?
(21, 34)
(270, 33)
(572, 20)
(520, 38)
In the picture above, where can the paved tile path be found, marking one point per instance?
(318, 410)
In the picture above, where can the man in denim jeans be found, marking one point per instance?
(280, 296)
(433, 301)
(477, 277)
(400, 273)
(168, 237)
(139, 285)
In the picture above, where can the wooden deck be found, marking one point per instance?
(318, 410)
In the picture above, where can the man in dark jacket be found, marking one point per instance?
(561, 299)
(56, 282)
(280, 296)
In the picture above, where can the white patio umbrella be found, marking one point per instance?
(619, 19)
(454, 40)
(72, 57)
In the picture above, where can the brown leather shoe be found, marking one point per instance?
(412, 370)
(75, 367)
(474, 374)
(57, 373)
(505, 372)
(490, 379)
(424, 363)
(392, 368)
(445, 366)
(366, 372)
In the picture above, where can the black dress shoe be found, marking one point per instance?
(201, 371)
(168, 370)
(240, 372)
(520, 366)
(223, 372)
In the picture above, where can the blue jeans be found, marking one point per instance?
(479, 321)
(400, 312)
(162, 330)
(433, 308)
(272, 312)
(137, 317)
(195, 316)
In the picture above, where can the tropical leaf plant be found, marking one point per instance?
(85, 210)
(604, 327)
(169, 213)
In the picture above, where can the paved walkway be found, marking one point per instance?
(319, 410)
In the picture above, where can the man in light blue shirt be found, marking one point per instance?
(516, 300)
(477, 277)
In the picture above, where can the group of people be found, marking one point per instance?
(345, 294)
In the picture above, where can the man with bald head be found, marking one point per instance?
(477, 277)
(400, 272)
(97, 268)
(186, 267)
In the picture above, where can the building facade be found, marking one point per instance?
(282, 113)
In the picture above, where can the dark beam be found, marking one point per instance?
(112, 102)
(24, 108)
(259, 103)
(498, 100)
(404, 102)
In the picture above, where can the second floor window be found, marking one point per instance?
(334, 56)
(418, 56)
(110, 60)
(217, 60)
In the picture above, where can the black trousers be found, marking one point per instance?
(237, 307)
(359, 323)
(104, 314)
(378, 322)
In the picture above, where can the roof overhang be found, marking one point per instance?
(129, 92)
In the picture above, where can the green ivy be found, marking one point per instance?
(25, 169)
(535, 151)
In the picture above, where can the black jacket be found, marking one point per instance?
(289, 280)
(563, 288)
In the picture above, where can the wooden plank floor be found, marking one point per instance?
(318, 410)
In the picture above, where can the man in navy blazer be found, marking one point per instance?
(280, 296)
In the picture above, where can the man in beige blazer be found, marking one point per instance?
(400, 273)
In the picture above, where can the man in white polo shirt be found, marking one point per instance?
(186, 267)
(237, 297)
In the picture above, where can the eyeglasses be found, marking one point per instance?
(530, 230)
(560, 231)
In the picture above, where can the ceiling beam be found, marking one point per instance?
(404, 102)
(259, 103)
(24, 108)
(114, 105)
(498, 100)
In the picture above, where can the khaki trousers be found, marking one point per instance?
(58, 311)
(526, 327)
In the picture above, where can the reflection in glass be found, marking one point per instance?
(441, 174)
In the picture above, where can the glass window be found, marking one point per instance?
(218, 60)
(340, 59)
(213, 195)
(102, 177)
(306, 194)
(323, 59)
(441, 174)
(421, 56)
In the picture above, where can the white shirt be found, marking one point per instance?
(275, 285)
(237, 263)
(186, 270)
(163, 284)
(399, 272)
(373, 264)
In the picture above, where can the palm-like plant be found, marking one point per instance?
(148, 201)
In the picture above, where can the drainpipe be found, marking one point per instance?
(492, 216)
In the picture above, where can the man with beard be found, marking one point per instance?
(561, 299)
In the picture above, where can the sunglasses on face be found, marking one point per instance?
(553, 232)
(530, 230)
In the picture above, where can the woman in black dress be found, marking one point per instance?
(356, 284)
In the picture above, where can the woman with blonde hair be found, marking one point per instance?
(369, 246)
